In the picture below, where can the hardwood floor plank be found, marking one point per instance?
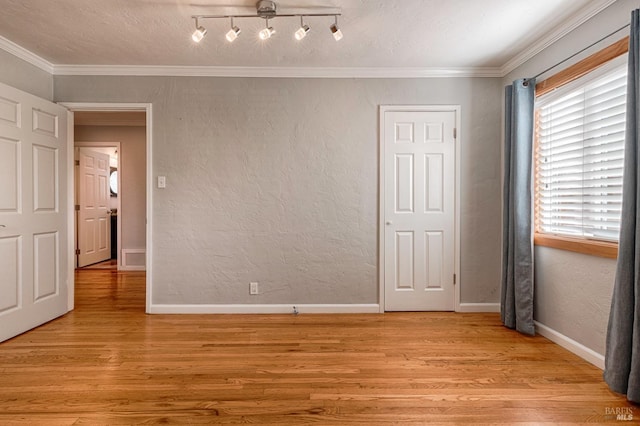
(109, 363)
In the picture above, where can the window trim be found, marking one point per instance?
(583, 67)
(579, 245)
(592, 247)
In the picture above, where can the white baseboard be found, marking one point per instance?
(571, 345)
(127, 262)
(479, 307)
(373, 308)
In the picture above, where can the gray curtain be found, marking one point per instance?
(622, 359)
(516, 309)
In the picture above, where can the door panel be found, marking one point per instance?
(45, 182)
(33, 211)
(404, 183)
(45, 257)
(94, 222)
(434, 183)
(10, 266)
(10, 111)
(10, 175)
(434, 250)
(419, 210)
(45, 123)
(404, 261)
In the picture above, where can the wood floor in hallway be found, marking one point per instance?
(109, 363)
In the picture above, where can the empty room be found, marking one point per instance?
(319, 211)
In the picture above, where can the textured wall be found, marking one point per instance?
(573, 298)
(573, 291)
(275, 181)
(132, 171)
(24, 76)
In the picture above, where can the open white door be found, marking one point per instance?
(33, 211)
(418, 210)
(94, 222)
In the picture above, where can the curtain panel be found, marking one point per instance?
(622, 358)
(516, 308)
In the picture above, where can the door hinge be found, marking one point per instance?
(454, 279)
(77, 207)
(455, 133)
(77, 162)
(77, 252)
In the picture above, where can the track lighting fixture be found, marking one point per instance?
(199, 33)
(337, 34)
(266, 9)
(302, 31)
(233, 33)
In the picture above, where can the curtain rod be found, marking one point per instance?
(526, 80)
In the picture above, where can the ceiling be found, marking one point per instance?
(397, 34)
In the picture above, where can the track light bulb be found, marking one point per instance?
(267, 32)
(302, 32)
(233, 34)
(199, 34)
(337, 34)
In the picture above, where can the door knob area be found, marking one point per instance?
(389, 222)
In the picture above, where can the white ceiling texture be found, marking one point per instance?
(454, 35)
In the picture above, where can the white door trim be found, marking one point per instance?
(84, 144)
(147, 107)
(71, 220)
(381, 226)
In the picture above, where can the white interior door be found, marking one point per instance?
(94, 222)
(33, 211)
(419, 210)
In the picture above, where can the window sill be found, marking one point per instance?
(578, 245)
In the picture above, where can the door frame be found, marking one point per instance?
(84, 144)
(381, 227)
(107, 107)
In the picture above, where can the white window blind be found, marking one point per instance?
(580, 150)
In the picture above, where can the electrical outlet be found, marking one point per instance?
(253, 288)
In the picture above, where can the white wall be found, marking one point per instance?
(132, 171)
(275, 181)
(573, 291)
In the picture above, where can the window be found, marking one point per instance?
(579, 158)
(579, 133)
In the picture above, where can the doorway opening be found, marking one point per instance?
(110, 177)
(125, 128)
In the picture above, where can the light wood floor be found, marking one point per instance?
(109, 363)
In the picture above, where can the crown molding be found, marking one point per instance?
(569, 25)
(273, 72)
(268, 72)
(26, 55)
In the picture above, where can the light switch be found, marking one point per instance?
(162, 181)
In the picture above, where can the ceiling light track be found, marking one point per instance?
(265, 9)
